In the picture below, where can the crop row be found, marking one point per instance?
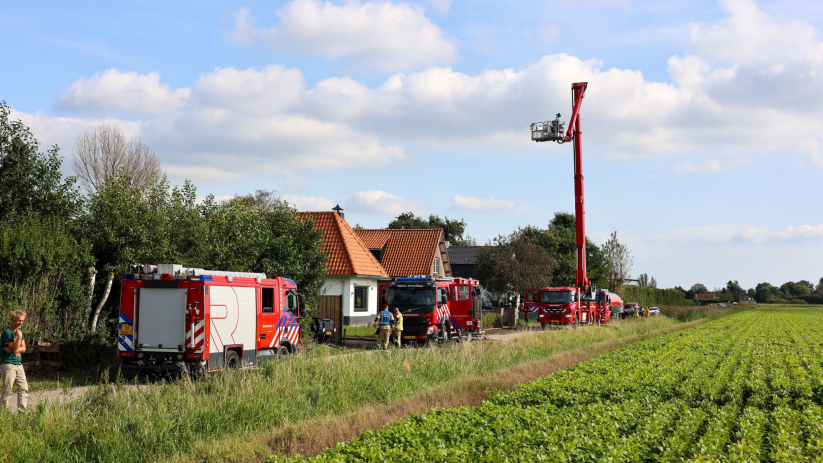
(744, 388)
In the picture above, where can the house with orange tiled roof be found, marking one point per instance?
(352, 272)
(405, 251)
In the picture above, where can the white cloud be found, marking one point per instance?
(722, 234)
(265, 119)
(440, 6)
(309, 203)
(749, 36)
(813, 148)
(791, 233)
(473, 203)
(377, 35)
(63, 131)
(381, 202)
(266, 90)
(115, 90)
(200, 172)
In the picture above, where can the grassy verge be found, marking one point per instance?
(111, 422)
(360, 331)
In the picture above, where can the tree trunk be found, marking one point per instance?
(93, 278)
(103, 299)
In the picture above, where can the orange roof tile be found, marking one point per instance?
(347, 254)
(407, 251)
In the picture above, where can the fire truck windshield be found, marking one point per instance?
(557, 297)
(411, 296)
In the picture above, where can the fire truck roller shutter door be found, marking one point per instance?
(161, 318)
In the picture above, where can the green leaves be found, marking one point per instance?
(744, 388)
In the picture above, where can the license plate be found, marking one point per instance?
(126, 330)
(408, 337)
(328, 333)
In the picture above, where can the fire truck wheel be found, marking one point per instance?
(282, 352)
(232, 360)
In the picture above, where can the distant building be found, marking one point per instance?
(405, 251)
(463, 260)
(350, 292)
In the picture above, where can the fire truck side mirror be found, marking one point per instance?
(301, 299)
(444, 298)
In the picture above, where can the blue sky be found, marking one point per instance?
(702, 124)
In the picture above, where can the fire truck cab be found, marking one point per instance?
(175, 319)
(561, 306)
(436, 309)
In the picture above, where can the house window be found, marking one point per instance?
(361, 298)
(436, 266)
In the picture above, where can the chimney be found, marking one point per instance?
(339, 211)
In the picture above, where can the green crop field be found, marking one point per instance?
(747, 387)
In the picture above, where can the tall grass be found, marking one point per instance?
(116, 423)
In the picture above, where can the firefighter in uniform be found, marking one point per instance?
(384, 322)
(397, 327)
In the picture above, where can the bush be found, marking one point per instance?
(492, 320)
(798, 301)
(646, 295)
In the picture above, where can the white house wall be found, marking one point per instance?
(344, 286)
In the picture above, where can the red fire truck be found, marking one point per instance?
(559, 305)
(175, 319)
(436, 309)
(466, 305)
(606, 304)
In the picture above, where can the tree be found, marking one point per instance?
(42, 271)
(764, 292)
(736, 291)
(125, 224)
(511, 264)
(619, 260)
(560, 240)
(266, 237)
(645, 280)
(30, 181)
(792, 289)
(261, 199)
(699, 288)
(819, 288)
(453, 230)
(102, 152)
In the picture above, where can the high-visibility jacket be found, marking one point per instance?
(384, 318)
(398, 322)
